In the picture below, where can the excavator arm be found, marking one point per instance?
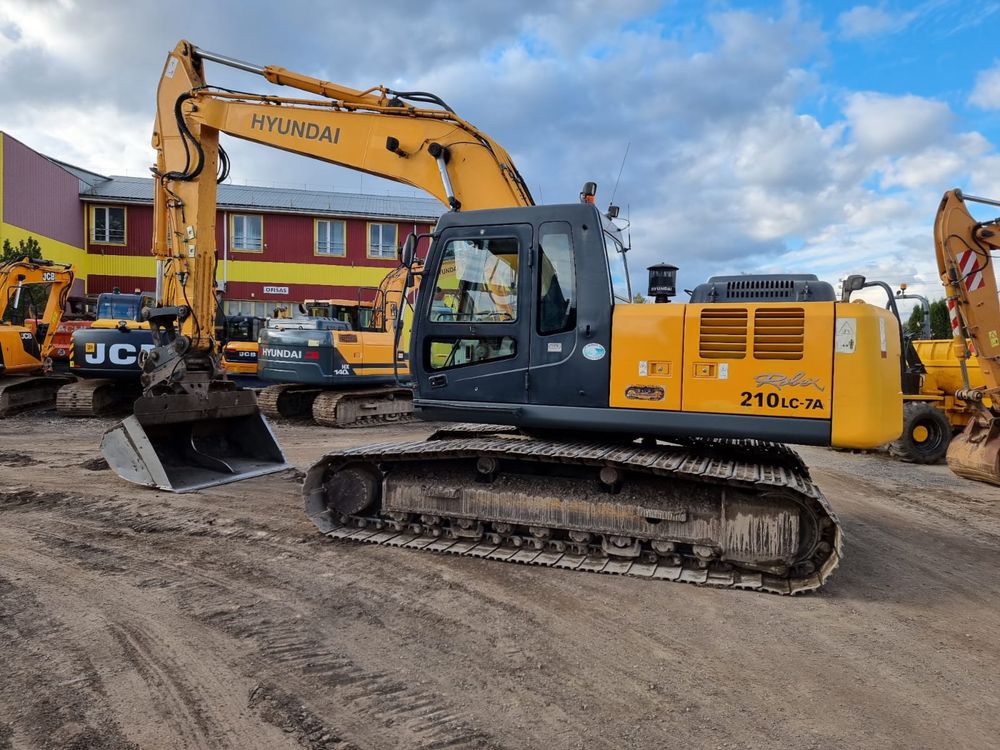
(373, 131)
(17, 277)
(963, 246)
(379, 131)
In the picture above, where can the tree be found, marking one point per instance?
(638, 298)
(33, 296)
(915, 325)
(940, 320)
(29, 248)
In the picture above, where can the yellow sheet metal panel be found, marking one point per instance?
(944, 370)
(769, 359)
(867, 400)
(646, 345)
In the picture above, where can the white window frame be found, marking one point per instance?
(106, 238)
(331, 250)
(233, 234)
(378, 252)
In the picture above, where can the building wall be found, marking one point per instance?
(39, 199)
(286, 272)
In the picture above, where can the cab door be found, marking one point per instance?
(475, 335)
(571, 332)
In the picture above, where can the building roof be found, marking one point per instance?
(85, 176)
(279, 200)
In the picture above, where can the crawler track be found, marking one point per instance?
(23, 392)
(730, 514)
(95, 397)
(364, 407)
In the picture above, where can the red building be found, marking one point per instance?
(276, 247)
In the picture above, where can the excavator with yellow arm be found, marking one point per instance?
(193, 427)
(635, 439)
(963, 247)
(30, 289)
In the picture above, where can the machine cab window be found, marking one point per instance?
(556, 278)
(621, 291)
(477, 282)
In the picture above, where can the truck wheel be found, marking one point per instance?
(926, 434)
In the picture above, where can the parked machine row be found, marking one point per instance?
(587, 432)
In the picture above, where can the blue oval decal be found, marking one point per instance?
(594, 351)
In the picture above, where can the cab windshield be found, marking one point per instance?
(111, 308)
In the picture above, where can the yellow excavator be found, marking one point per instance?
(30, 290)
(963, 246)
(193, 427)
(635, 439)
(344, 373)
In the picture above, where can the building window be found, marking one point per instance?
(248, 233)
(331, 238)
(382, 241)
(107, 225)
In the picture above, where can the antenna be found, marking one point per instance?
(620, 170)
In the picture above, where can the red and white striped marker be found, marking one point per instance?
(953, 314)
(968, 262)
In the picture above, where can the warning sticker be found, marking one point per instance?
(846, 337)
(881, 335)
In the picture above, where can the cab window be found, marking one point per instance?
(617, 269)
(477, 282)
(556, 278)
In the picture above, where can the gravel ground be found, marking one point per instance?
(220, 619)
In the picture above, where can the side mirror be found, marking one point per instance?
(408, 253)
(854, 283)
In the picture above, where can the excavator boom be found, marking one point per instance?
(963, 246)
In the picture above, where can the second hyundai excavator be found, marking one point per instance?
(624, 438)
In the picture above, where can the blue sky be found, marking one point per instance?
(763, 136)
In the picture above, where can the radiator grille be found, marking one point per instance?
(757, 289)
(723, 333)
(779, 333)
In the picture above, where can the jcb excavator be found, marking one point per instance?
(963, 246)
(26, 380)
(105, 357)
(524, 322)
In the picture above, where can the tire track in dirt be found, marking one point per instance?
(286, 643)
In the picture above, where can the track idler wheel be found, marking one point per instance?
(353, 489)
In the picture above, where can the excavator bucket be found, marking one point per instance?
(975, 453)
(183, 443)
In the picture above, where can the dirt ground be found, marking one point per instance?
(133, 618)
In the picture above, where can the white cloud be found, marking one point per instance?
(884, 125)
(725, 170)
(865, 21)
(986, 93)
